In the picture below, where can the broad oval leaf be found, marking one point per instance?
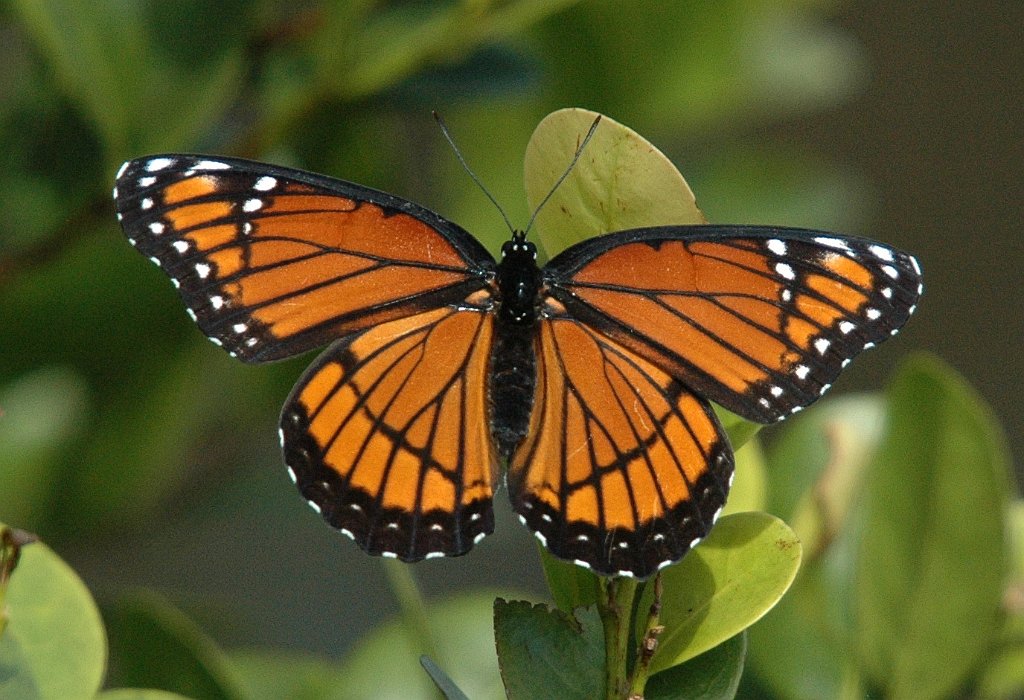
(54, 644)
(621, 181)
(549, 653)
(724, 585)
(932, 559)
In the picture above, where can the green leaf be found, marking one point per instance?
(54, 645)
(801, 649)
(714, 675)
(1003, 674)
(732, 578)
(932, 558)
(571, 586)
(153, 644)
(139, 694)
(548, 653)
(269, 674)
(445, 684)
(621, 181)
(749, 487)
(386, 663)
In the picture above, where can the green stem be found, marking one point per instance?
(616, 606)
(648, 644)
(410, 602)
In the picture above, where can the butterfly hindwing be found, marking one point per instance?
(382, 436)
(623, 469)
(760, 320)
(272, 261)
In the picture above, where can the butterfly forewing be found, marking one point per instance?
(623, 469)
(272, 262)
(760, 320)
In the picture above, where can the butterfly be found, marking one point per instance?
(590, 377)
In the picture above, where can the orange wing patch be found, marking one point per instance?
(271, 265)
(623, 470)
(759, 323)
(386, 437)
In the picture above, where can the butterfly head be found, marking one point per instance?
(519, 280)
(518, 249)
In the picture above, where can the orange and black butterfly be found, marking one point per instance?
(590, 376)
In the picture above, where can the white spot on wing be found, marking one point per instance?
(821, 345)
(291, 473)
(881, 252)
(239, 328)
(265, 183)
(873, 314)
(891, 271)
(785, 270)
(210, 165)
(917, 267)
(480, 536)
(315, 507)
(147, 180)
(159, 164)
(776, 246)
(252, 205)
(830, 242)
(120, 171)
(801, 371)
(156, 227)
(180, 246)
(203, 270)
(846, 326)
(146, 203)
(433, 555)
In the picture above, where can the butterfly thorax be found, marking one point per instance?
(513, 367)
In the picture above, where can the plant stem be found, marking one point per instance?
(410, 602)
(648, 644)
(616, 606)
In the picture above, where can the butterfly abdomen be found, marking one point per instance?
(513, 365)
(513, 379)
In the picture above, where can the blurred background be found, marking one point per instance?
(147, 457)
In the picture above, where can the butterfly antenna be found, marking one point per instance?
(465, 165)
(576, 157)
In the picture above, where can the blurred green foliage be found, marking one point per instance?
(115, 411)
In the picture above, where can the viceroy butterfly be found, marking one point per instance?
(591, 375)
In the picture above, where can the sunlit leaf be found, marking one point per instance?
(54, 644)
(724, 585)
(621, 181)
